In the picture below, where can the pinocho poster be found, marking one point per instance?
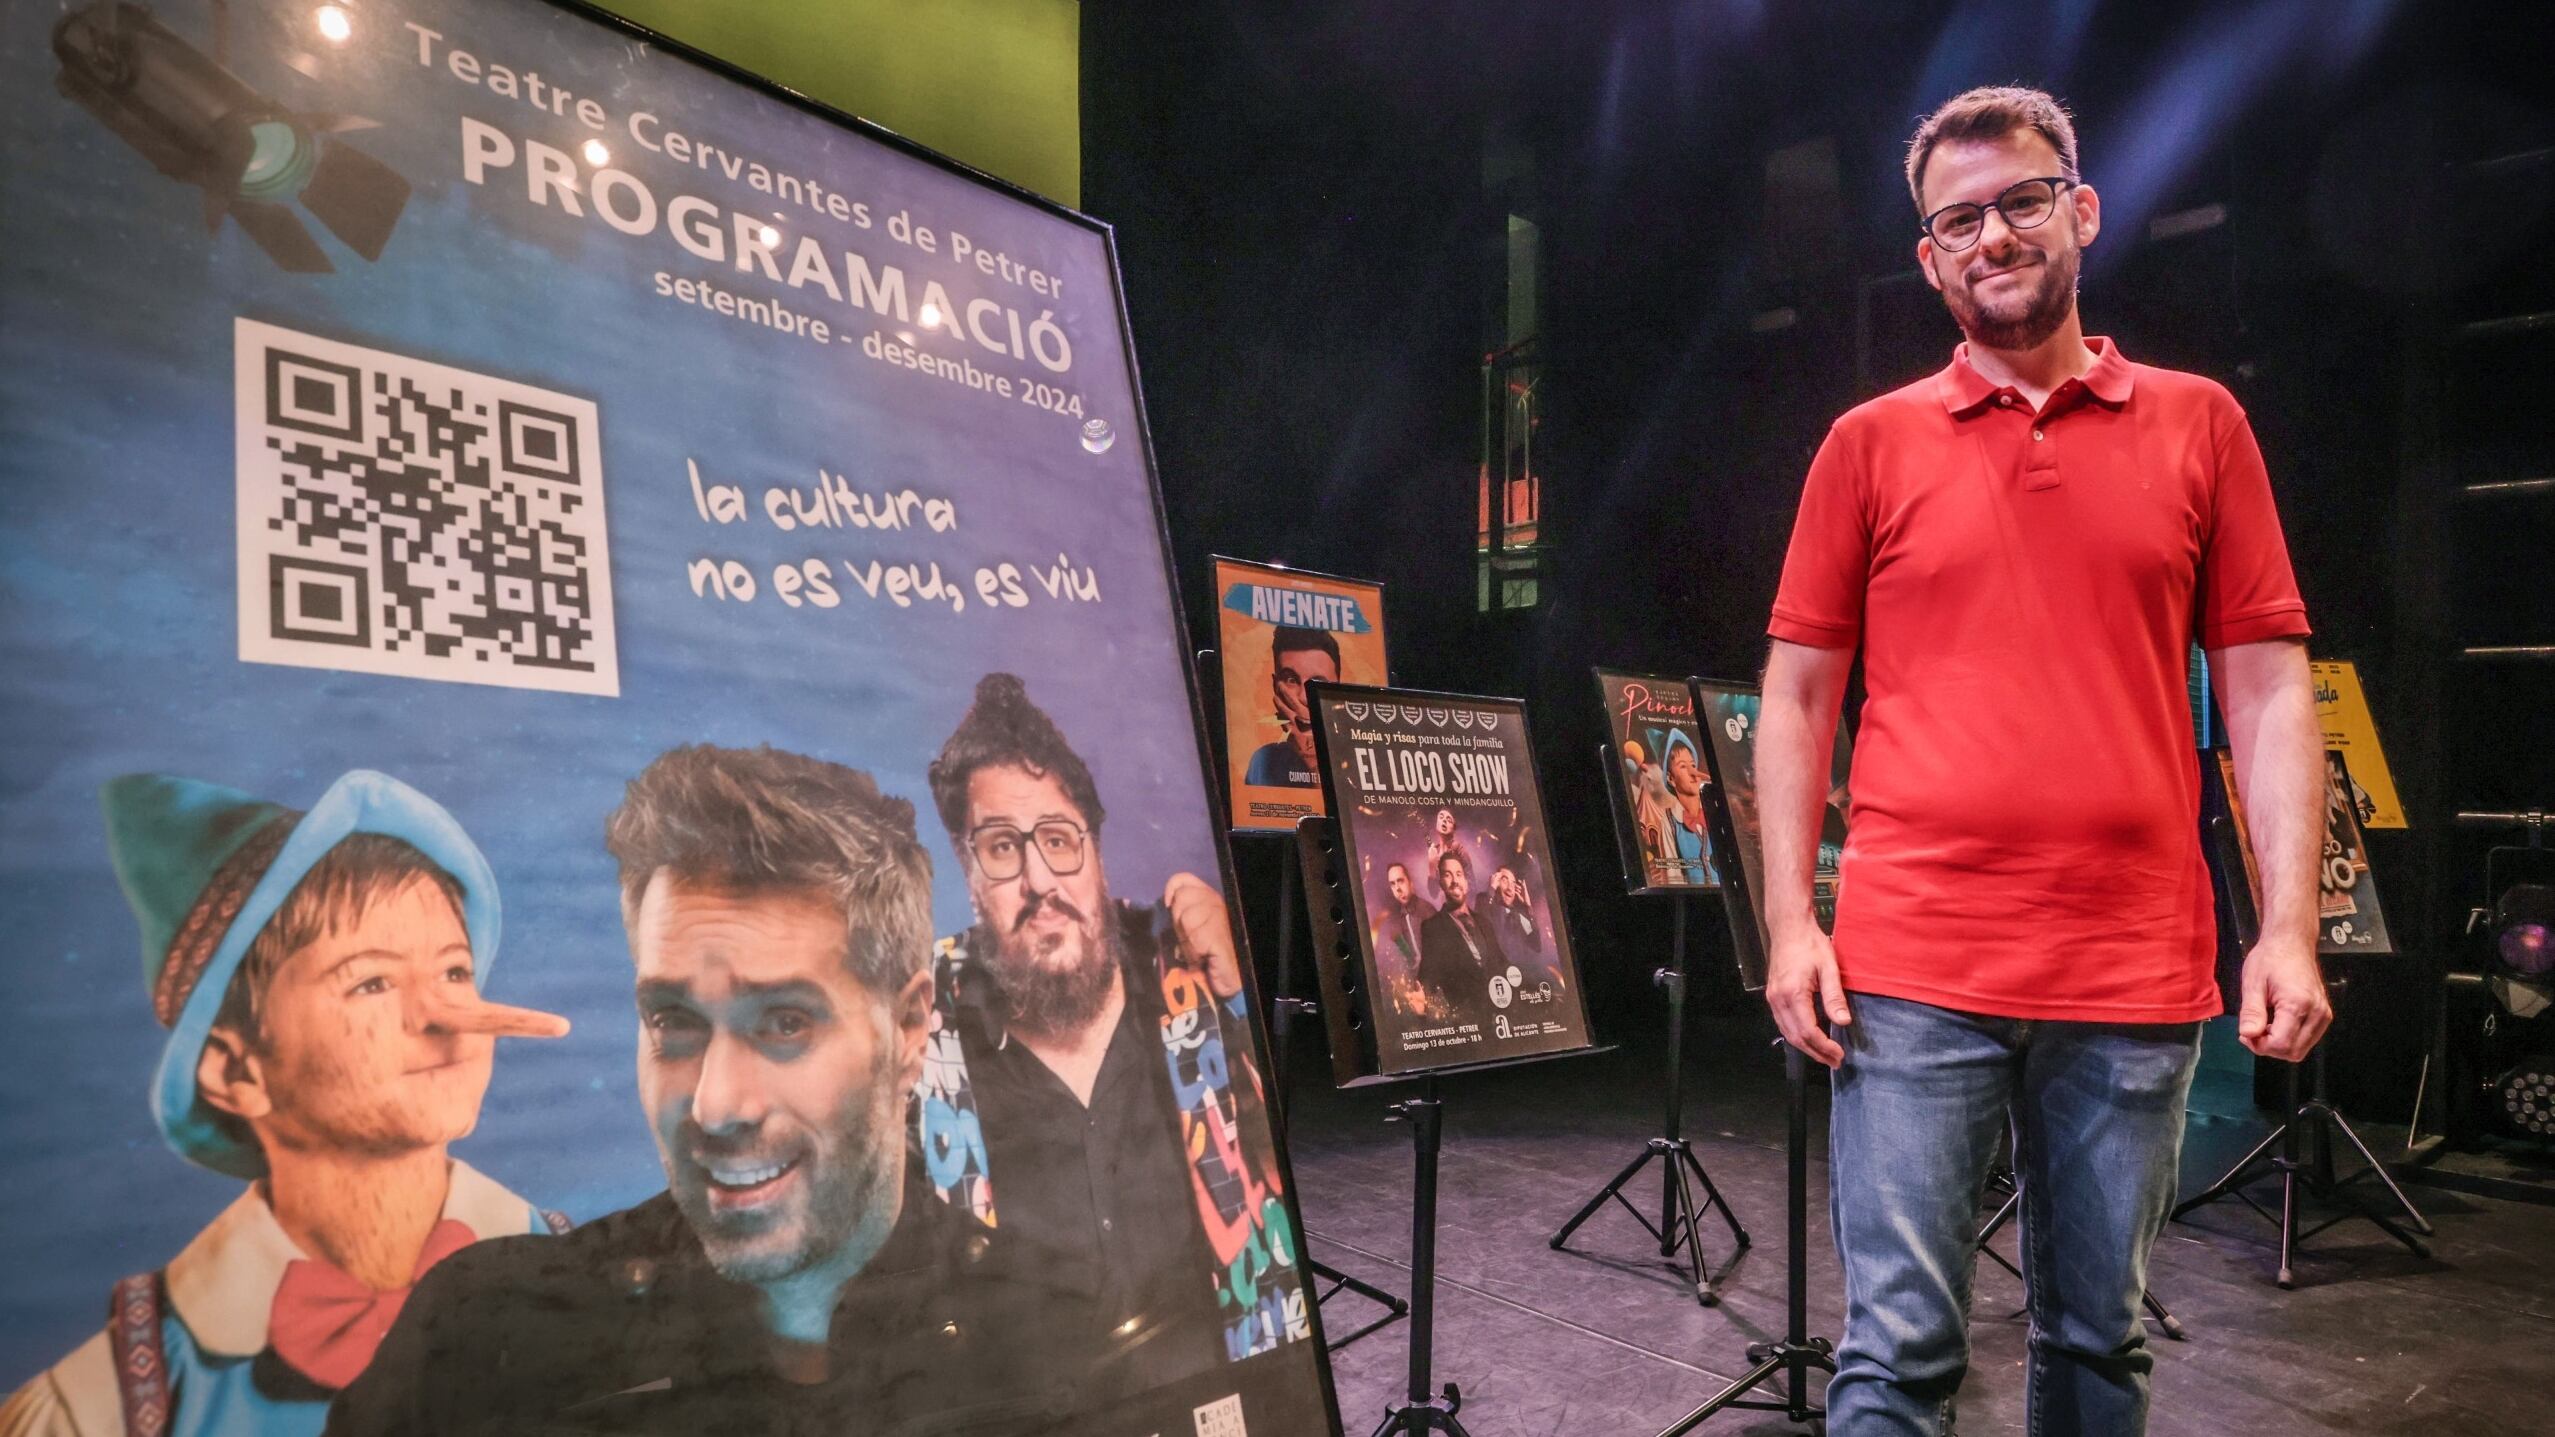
(597, 708)
(1728, 715)
(1282, 630)
(1656, 774)
(1458, 908)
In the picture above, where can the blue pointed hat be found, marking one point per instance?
(205, 867)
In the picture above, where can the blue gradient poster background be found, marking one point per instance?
(119, 629)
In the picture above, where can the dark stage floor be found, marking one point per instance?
(1606, 1339)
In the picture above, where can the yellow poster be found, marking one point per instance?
(1281, 629)
(2342, 711)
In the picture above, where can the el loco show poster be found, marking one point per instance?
(1280, 630)
(1442, 832)
(1658, 773)
(604, 640)
(1729, 715)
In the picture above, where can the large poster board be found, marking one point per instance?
(1281, 630)
(1456, 903)
(1728, 715)
(1656, 774)
(478, 484)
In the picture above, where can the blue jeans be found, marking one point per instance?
(1921, 1099)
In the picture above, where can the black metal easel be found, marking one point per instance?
(1281, 1008)
(1423, 1410)
(1679, 1225)
(2278, 1155)
(1791, 1358)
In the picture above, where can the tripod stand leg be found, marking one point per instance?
(1611, 1189)
(2421, 1224)
(1712, 1196)
(2164, 1319)
(2236, 1177)
(1688, 1233)
(2288, 1223)
(1754, 1378)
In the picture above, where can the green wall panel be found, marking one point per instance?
(995, 83)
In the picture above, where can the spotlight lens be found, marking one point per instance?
(280, 162)
(334, 24)
(930, 315)
(596, 154)
(769, 235)
(2526, 950)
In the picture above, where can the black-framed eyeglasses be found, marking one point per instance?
(1001, 851)
(2025, 204)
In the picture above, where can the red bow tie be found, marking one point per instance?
(327, 1325)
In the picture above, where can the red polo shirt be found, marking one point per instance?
(2025, 831)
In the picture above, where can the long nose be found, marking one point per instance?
(456, 1008)
(728, 1095)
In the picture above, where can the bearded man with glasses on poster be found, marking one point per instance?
(2023, 547)
(1120, 1129)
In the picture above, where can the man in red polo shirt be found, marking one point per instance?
(2023, 546)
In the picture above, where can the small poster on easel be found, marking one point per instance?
(2349, 919)
(1728, 716)
(1452, 896)
(1655, 777)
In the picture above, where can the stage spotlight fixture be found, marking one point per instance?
(2527, 1095)
(201, 125)
(2524, 931)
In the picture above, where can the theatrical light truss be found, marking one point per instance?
(253, 158)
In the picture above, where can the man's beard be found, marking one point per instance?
(2019, 321)
(1043, 998)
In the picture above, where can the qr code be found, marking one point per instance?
(1221, 1418)
(407, 518)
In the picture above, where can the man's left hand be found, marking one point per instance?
(1206, 934)
(2284, 1011)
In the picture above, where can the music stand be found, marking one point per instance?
(1679, 1226)
(1791, 1357)
(2315, 1117)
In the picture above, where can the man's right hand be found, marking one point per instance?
(1800, 980)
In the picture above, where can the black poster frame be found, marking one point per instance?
(1340, 932)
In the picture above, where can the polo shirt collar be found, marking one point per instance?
(1963, 389)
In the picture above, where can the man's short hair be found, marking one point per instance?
(1389, 867)
(762, 820)
(1991, 112)
(1454, 856)
(1003, 727)
(362, 869)
(1292, 640)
